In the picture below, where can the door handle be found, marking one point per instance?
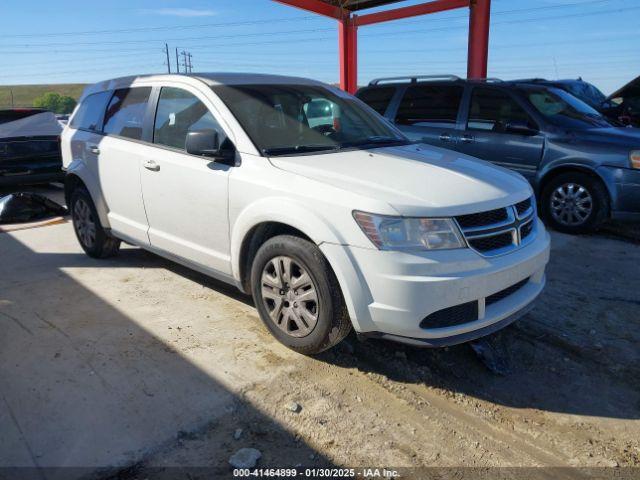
(94, 149)
(466, 139)
(445, 137)
(151, 165)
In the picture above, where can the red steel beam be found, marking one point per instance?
(478, 53)
(412, 11)
(316, 6)
(348, 46)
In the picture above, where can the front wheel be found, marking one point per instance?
(297, 295)
(574, 203)
(94, 240)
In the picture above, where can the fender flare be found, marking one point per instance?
(80, 170)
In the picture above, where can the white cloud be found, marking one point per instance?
(180, 12)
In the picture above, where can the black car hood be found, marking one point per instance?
(631, 89)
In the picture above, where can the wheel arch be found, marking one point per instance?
(79, 175)
(553, 172)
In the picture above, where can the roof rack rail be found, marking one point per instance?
(414, 78)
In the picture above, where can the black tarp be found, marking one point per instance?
(27, 207)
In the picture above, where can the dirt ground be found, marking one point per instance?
(186, 361)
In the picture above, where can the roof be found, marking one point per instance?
(355, 5)
(213, 78)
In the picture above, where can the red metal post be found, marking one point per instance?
(478, 53)
(348, 43)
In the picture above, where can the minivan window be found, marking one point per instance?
(91, 111)
(125, 113)
(492, 110)
(180, 112)
(377, 98)
(430, 104)
(564, 110)
(293, 119)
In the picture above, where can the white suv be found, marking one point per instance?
(331, 223)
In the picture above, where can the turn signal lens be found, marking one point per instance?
(635, 159)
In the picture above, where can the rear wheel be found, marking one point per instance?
(575, 202)
(94, 240)
(297, 295)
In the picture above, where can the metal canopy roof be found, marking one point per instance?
(354, 5)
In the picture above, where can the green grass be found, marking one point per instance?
(23, 95)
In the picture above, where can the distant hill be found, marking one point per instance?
(23, 95)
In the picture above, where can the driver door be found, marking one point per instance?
(186, 196)
(486, 136)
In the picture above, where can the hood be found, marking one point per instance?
(415, 180)
(619, 136)
(631, 89)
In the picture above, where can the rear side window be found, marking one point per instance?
(180, 112)
(90, 112)
(125, 113)
(377, 98)
(430, 104)
(492, 109)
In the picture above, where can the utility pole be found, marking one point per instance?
(166, 50)
(11, 93)
(190, 64)
(177, 61)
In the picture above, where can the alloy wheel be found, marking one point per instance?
(571, 204)
(290, 296)
(84, 223)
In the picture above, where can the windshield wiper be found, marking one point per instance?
(298, 149)
(378, 140)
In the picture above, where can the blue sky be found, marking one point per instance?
(75, 41)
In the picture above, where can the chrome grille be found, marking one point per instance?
(499, 231)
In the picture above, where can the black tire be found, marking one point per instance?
(103, 244)
(333, 323)
(599, 203)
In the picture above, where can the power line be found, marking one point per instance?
(315, 30)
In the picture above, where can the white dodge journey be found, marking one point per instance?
(301, 195)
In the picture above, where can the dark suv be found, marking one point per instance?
(583, 168)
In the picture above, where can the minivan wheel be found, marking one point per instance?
(94, 240)
(575, 203)
(297, 295)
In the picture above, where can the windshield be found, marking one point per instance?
(293, 119)
(564, 110)
(587, 93)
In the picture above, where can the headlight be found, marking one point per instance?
(399, 233)
(634, 156)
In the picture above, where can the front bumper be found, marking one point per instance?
(389, 294)
(624, 187)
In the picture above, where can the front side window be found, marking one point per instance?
(430, 104)
(564, 110)
(492, 110)
(377, 98)
(91, 112)
(125, 113)
(289, 119)
(180, 112)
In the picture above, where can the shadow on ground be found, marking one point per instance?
(83, 384)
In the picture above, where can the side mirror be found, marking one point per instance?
(206, 143)
(520, 128)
